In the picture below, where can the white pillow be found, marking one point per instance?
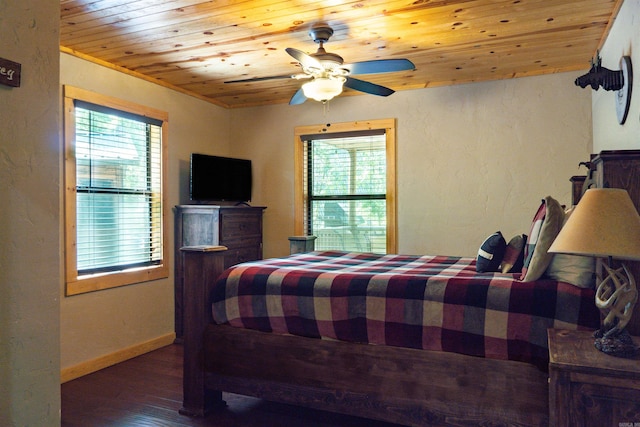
(575, 269)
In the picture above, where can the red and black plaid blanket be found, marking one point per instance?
(426, 302)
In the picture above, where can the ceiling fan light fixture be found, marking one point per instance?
(323, 89)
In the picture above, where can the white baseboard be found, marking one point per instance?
(90, 366)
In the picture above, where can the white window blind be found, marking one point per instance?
(345, 177)
(118, 183)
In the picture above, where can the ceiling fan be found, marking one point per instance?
(327, 73)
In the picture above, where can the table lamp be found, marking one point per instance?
(606, 225)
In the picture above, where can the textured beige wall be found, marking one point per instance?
(30, 217)
(472, 159)
(623, 39)
(99, 323)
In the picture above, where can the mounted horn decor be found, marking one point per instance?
(620, 81)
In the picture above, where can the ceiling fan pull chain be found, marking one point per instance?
(325, 108)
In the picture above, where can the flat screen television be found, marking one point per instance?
(215, 178)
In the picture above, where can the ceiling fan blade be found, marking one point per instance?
(260, 79)
(298, 98)
(367, 87)
(307, 61)
(380, 66)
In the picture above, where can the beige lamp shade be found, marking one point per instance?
(605, 223)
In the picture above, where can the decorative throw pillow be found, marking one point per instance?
(491, 253)
(546, 225)
(514, 255)
(577, 270)
(574, 269)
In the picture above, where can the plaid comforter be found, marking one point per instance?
(425, 302)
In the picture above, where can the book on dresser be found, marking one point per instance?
(238, 228)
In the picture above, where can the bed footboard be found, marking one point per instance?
(400, 385)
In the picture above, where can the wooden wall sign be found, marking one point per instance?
(9, 73)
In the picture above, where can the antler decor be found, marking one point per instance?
(620, 80)
(615, 297)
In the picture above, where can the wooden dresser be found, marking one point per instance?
(589, 388)
(239, 228)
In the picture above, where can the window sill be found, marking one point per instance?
(97, 282)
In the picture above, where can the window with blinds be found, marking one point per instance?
(346, 182)
(115, 230)
(118, 184)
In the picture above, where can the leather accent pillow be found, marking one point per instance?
(491, 253)
(514, 255)
(546, 225)
(574, 269)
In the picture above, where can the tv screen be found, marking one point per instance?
(215, 178)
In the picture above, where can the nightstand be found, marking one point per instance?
(588, 387)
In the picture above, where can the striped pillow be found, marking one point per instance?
(546, 225)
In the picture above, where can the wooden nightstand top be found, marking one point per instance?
(574, 351)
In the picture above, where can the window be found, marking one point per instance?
(345, 186)
(114, 207)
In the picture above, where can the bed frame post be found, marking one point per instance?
(201, 268)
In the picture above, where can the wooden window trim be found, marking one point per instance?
(76, 284)
(300, 195)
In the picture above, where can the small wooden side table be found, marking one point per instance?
(590, 388)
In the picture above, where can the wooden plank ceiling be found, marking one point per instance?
(195, 46)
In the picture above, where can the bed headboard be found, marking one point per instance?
(619, 169)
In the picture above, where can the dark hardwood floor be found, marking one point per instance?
(147, 391)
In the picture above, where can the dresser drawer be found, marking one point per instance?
(244, 254)
(236, 225)
(242, 241)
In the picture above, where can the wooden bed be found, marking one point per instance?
(407, 386)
